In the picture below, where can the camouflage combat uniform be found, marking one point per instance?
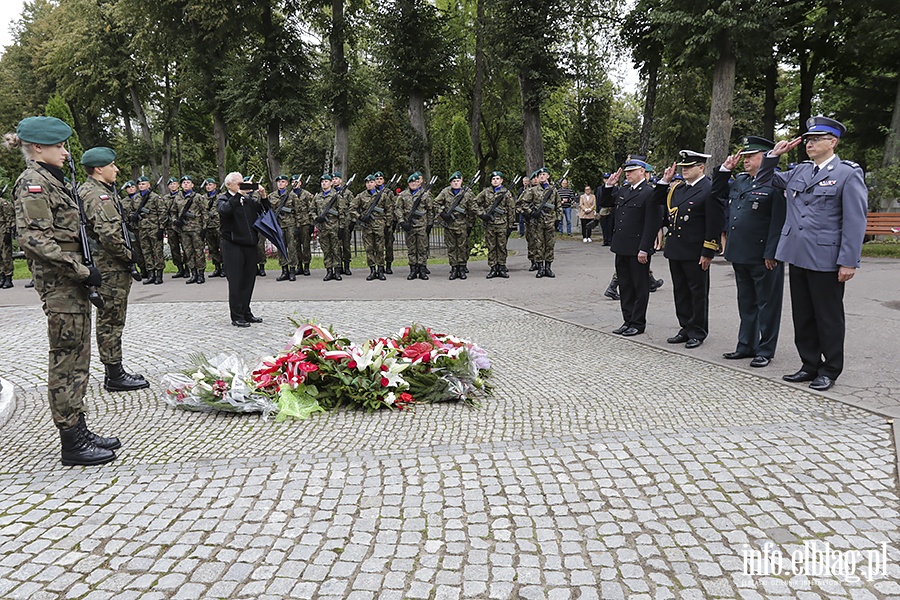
(375, 225)
(456, 223)
(128, 205)
(328, 230)
(48, 230)
(151, 212)
(284, 203)
(304, 224)
(7, 226)
(390, 226)
(190, 221)
(172, 233)
(211, 233)
(498, 224)
(417, 225)
(543, 223)
(345, 234)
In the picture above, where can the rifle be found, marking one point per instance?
(328, 210)
(142, 207)
(545, 201)
(126, 235)
(373, 205)
(449, 215)
(185, 211)
(486, 217)
(3, 191)
(93, 293)
(415, 213)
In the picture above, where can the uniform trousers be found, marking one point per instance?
(634, 290)
(373, 240)
(152, 244)
(457, 245)
(289, 233)
(6, 253)
(192, 242)
(345, 236)
(389, 243)
(690, 285)
(759, 296)
(304, 252)
(417, 245)
(545, 240)
(331, 248)
(817, 305)
(175, 247)
(111, 318)
(213, 243)
(495, 239)
(240, 270)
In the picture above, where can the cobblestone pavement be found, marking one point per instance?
(601, 468)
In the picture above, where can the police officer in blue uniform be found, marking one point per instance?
(637, 220)
(695, 226)
(826, 204)
(754, 214)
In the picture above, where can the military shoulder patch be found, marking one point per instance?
(104, 197)
(850, 163)
(35, 189)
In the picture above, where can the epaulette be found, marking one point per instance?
(806, 162)
(850, 163)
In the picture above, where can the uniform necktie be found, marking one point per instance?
(815, 170)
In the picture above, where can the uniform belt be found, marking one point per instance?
(70, 246)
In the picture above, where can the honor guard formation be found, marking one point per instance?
(86, 243)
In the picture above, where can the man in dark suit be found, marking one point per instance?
(637, 220)
(695, 226)
(826, 202)
(754, 214)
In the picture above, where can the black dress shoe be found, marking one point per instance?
(240, 323)
(631, 331)
(736, 355)
(693, 343)
(760, 361)
(253, 319)
(800, 376)
(822, 383)
(677, 339)
(620, 330)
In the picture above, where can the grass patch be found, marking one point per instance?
(882, 249)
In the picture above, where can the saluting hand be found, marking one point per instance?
(786, 146)
(732, 161)
(614, 178)
(669, 173)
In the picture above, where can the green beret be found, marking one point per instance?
(98, 157)
(336, 175)
(246, 179)
(43, 130)
(130, 183)
(295, 178)
(379, 174)
(171, 180)
(413, 177)
(326, 176)
(455, 175)
(534, 175)
(370, 177)
(187, 178)
(143, 178)
(543, 170)
(281, 178)
(209, 180)
(497, 174)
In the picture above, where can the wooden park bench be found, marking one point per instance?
(883, 223)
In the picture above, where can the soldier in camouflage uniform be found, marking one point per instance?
(105, 216)
(150, 214)
(284, 203)
(325, 211)
(390, 223)
(47, 222)
(304, 226)
(542, 204)
(414, 211)
(525, 212)
(456, 220)
(128, 206)
(172, 232)
(189, 222)
(371, 211)
(213, 241)
(497, 209)
(7, 231)
(346, 232)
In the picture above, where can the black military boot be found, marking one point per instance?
(502, 272)
(380, 274)
(465, 269)
(413, 272)
(118, 380)
(540, 270)
(201, 276)
(110, 443)
(655, 283)
(423, 272)
(533, 267)
(454, 273)
(371, 276)
(461, 271)
(284, 275)
(424, 268)
(547, 271)
(217, 271)
(292, 274)
(337, 274)
(193, 277)
(387, 269)
(30, 284)
(180, 274)
(78, 450)
(492, 273)
(611, 291)
(306, 269)
(346, 270)
(5, 282)
(149, 276)
(159, 277)
(261, 270)
(329, 274)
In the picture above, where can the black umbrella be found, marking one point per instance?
(267, 224)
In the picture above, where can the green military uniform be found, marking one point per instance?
(325, 211)
(542, 204)
(304, 227)
(390, 223)
(7, 231)
(151, 213)
(284, 203)
(128, 207)
(454, 208)
(371, 210)
(345, 234)
(172, 233)
(414, 211)
(190, 223)
(497, 209)
(211, 233)
(530, 227)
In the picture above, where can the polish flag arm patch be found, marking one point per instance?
(35, 189)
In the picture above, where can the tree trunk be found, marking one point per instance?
(221, 134)
(145, 130)
(892, 146)
(649, 106)
(770, 102)
(478, 87)
(718, 133)
(273, 148)
(417, 118)
(340, 105)
(531, 120)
